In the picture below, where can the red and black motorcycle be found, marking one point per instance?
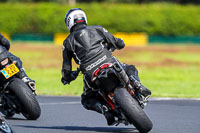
(122, 100)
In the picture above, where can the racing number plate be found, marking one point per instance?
(10, 71)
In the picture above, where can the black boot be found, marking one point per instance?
(144, 91)
(140, 88)
(110, 118)
(104, 110)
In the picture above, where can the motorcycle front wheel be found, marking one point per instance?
(132, 110)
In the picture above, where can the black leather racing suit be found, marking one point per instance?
(88, 46)
(4, 42)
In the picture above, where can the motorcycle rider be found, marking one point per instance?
(89, 46)
(22, 75)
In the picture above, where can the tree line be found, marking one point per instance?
(113, 1)
(164, 19)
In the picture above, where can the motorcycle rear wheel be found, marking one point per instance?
(28, 102)
(132, 110)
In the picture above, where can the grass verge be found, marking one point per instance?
(169, 71)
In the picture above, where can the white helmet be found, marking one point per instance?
(75, 16)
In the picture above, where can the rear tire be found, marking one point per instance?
(132, 110)
(28, 102)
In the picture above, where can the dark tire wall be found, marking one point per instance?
(29, 104)
(132, 110)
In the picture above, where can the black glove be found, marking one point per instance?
(64, 81)
(111, 48)
(69, 76)
(74, 74)
(120, 44)
(65, 77)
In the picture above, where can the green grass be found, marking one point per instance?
(166, 73)
(172, 81)
(48, 82)
(139, 57)
(184, 56)
(164, 82)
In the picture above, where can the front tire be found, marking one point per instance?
(27, 100)
(132, 110)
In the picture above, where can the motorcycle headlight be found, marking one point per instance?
(4, 62)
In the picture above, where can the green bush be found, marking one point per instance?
(154, 19)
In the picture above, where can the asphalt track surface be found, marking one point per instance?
(66, 115)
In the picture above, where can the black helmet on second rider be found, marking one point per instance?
(74, 17)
